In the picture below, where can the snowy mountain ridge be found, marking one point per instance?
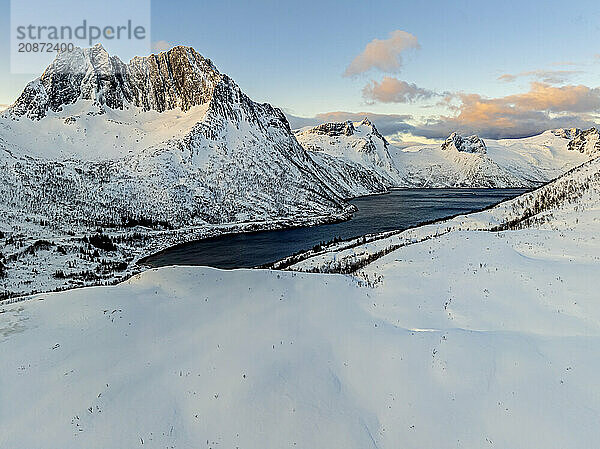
(470, 144)
(354, 143)
(180, 78)
(459, 161)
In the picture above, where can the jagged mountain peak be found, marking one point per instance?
(369, 124)
(586, 142)
(177, 78)
(566, 133)
(82, 60)
(347, 128)
(334, 129)
(469, 144)
(359, 151)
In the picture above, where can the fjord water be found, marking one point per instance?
(398, 209)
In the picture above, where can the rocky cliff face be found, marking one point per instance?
(566, 133)
(471, 144)
(334, 129)
(179, 78)
(586, 142)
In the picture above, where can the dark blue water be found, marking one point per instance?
(399, 209)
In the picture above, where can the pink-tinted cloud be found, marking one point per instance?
(545, 76)
(392, 90)
(384, 55)
(545, 97)
(508, 77)
(542, 107)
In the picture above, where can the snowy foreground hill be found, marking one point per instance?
(481, 331)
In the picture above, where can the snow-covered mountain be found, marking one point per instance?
(459, 162)
(166, 142)
(474, 162)
(353, 147)
(180, 78)
(471, 144)
(169, 124)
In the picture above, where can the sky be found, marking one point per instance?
(419, 70)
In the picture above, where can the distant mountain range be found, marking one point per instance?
(457, 162)
(103, 162)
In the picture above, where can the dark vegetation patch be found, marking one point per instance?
(39, 245)
(100, 241)
(131, 222)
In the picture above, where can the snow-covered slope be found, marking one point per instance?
(470, 339)
(357, 146)
(526, 162)
(79, 131)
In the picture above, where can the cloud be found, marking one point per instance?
(387, 124)
(563, 63)
(545, 97)
(160, 46)
(392, 90)
(508, 77)
(505, 126)
(542, 107)
(384, 55)
(545, 76)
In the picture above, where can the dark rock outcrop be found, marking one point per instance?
(178, 78)
(567, 133)
(470, 144)
(587, 142)
(334, 129)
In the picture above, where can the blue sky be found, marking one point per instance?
(294, 54)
